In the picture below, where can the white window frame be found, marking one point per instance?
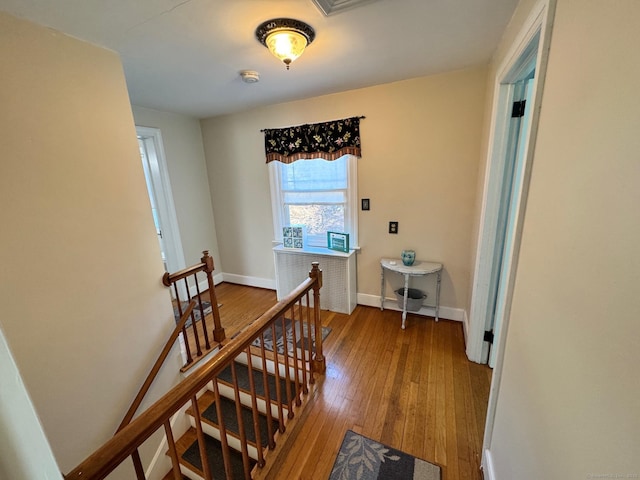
(351, 213)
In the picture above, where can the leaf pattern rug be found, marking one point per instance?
(361, 458)
(206, 306)
(301, 339)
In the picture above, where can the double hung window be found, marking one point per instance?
(319, 194)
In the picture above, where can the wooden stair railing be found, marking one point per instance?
(296, 369)
(179, 281)
(137, 401)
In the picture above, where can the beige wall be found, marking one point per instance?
(568, 403)
(183, 148)
(83, 308)
(421, 146)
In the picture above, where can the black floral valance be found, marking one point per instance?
(328, 140)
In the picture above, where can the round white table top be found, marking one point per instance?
(418, 267)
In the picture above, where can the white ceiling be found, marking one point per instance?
(185, 55)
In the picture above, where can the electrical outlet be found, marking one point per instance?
(393, 227)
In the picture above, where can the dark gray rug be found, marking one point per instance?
(300, 340)
(361, 458)
(206, 306)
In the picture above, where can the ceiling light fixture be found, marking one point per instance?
(285, 38)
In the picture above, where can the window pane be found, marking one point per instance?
(315, 174)
(319, 219)
(301, 198)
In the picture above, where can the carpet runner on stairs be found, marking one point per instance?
(231, 421)
(188, 449)
(242, 372)
(214, 455)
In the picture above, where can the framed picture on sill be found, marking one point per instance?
(293, 236)
(338, 241)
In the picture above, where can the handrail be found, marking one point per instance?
(195, 350)
(156, 367)
(104, 460)
(169, 278)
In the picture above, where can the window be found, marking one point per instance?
(319, 194)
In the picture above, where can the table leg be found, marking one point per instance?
(381, 288)
(438, 295)
(406, 295)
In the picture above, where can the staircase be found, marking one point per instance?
(259, 430)
(238, 403)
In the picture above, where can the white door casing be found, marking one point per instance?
(161, 187)
(534, 36)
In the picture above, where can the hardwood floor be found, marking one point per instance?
(413, 390)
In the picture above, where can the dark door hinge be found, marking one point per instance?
(518, 109)
(488, 337)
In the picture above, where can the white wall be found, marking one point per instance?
(568, 404)
(25, 453)
(83, 308)
(421, 145)
(184, 150)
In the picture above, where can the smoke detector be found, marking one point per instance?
(250, 76)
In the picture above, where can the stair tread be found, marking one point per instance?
(191, 456)
(242, 372)
(231, 420)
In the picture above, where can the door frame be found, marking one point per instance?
(164, 198)
(538, 24)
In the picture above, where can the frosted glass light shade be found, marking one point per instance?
(286, 38)
(286, 45)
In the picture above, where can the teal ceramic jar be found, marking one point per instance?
(408, 257)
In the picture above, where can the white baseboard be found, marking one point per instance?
(250, 281)
(203, 285)
(487, 466)
(448, 313)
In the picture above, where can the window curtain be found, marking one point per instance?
(327, 140)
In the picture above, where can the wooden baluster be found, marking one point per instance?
(202, 317)
(312, 379)
(303, 349)
(184, 330)
(319, 364)
(287, 372)
(276, 362)
(194, 327)
(267, 394)
(218, 331)
(226, 454)
(173, 453)
(243, 434)
(254, 410)
(206, 469)
(294, 340)
(137, 465)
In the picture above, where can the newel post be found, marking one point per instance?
(218, 331)
(319, 364)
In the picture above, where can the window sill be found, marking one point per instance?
(314, 251)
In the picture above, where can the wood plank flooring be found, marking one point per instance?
(412, 389)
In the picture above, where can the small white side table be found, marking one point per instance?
(416, 270)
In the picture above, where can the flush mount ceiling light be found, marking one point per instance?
(285, 38)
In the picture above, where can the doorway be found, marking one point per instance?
(161, 198)
(515, 112)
